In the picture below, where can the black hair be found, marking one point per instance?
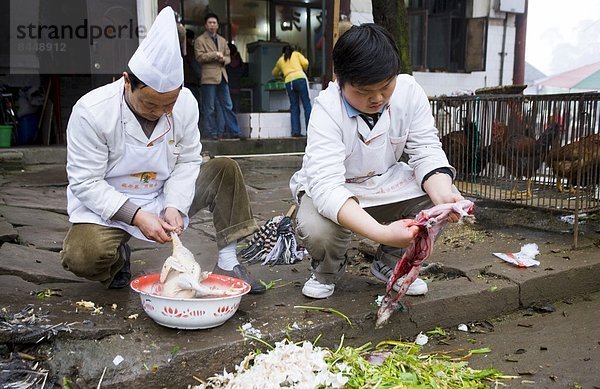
(232, 48)
(135, 82)
(189, 34)
(210, 15)
(287, 52)
(365, 55)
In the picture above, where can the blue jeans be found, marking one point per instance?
(220, 93)
(298, 90)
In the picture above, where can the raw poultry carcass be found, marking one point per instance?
(521, 153)
(182, 277)
(577, 162)
(431, 222)
(464, 151)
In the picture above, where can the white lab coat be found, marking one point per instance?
(338, 165)
(101, 127)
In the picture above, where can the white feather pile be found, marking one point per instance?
(287, 365)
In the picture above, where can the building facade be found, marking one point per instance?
(455, 45)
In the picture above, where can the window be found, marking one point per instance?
(442, 38)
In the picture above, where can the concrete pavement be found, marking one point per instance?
(466, 284)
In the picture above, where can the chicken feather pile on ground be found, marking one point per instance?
(431, 221)
(287, 365)
(182, 277)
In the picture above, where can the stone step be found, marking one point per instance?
(236, 147)
(17, 158)
(11, 160)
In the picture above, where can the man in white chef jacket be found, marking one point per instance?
(353, 178)
(134, 168)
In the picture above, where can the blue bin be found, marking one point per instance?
(27, 129)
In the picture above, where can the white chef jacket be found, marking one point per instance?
(101, 124)
(344, 158)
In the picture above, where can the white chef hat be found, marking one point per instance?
(157, 62)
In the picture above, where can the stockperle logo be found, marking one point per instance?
(72, 36)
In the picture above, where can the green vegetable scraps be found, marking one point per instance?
(395, 364)
(256, 338)
(437, 331)
(66, 382)
(273, 284)
(325, 309)
(269, 285)
(400, 365)
(44, 294)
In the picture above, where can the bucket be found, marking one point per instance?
(5, 135)
(27, 129)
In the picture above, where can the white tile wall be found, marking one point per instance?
(263, 125)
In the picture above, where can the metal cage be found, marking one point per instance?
(541, 151)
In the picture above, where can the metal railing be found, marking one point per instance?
(541, 150)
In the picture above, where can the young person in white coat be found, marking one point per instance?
(135, 168)
(353, 176)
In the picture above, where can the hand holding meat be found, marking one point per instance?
(401, 233)
(430, 222)
(439, 189)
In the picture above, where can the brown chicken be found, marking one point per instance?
(578, 163)
(515, 147)
(464, 151)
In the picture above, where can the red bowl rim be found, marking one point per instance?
(137, 283)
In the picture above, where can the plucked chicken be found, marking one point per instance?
(182, 277)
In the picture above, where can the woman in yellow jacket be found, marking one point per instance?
(292, 65)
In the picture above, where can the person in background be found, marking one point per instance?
(293, 65)
(220, 122)
(212, 51)
(192, 74)
(134, 168)
(191, 68)
(235, 70)
(353, 178)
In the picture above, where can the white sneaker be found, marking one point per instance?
(314, 289)
(384, 272)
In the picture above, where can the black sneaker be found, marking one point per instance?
(123, 276)
(242, 273)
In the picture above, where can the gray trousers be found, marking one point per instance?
(92, 251)
(327, 242)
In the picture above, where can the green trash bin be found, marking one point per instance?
(5, 135)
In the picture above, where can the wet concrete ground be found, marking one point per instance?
(551, 346)
(467, 284)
